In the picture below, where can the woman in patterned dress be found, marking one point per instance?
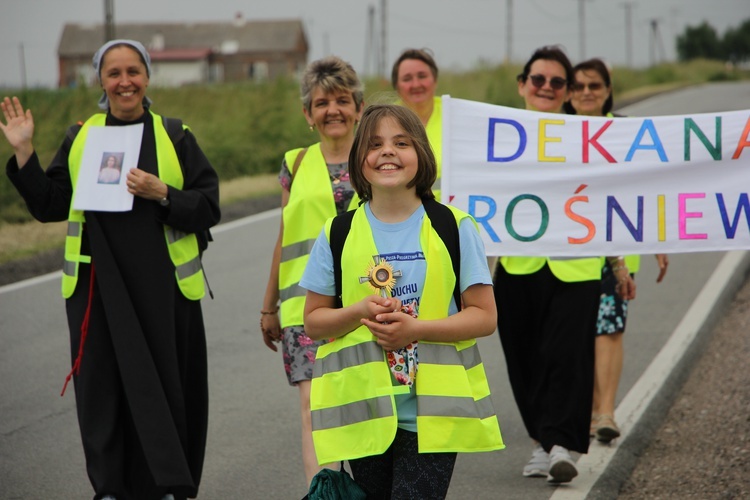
(333, 100)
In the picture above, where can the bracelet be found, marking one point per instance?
(262, 312)
(619, 268)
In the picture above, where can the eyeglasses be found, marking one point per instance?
(555, 82)
(593, 86)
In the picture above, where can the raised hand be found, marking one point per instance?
(18, 129)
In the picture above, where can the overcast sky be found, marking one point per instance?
(460, 32)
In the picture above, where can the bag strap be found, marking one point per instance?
(442, 220)
(73, 130)
(340, 227)
(174, 128)
(298, 162)
(446, 226)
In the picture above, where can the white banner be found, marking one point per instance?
(566, 185)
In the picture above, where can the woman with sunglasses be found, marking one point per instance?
(546, 312)
(592, 96)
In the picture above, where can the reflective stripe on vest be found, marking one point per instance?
(182, 247)
(568, 269)
(310, 204)
(352, 403)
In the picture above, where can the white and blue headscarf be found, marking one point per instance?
(97, 61)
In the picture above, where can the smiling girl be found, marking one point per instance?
(401, 387)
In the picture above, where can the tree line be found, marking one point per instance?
(703, 41)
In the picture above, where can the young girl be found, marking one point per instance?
(401, 388)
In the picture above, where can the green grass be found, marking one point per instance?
(244, 129)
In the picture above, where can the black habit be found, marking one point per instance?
(142, 388)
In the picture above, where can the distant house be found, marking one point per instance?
(187, 53)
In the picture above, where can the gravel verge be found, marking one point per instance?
(702, 448)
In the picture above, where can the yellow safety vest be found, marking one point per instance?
(564, 268)
(310, 204)
(182, 247)
(352, 394)
(633, 262)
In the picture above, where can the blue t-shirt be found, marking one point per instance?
(399, 245)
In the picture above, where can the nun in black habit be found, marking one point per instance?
(138, 345)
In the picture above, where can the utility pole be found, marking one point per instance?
(22, 57)
(509, 32)
(628, 33)
(371, 64)
(674, 12)
(582, 29)
(383, 39)
(109, 20)
(655, 42)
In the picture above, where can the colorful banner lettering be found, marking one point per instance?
(565, 185)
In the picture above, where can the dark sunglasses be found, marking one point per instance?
(555, 82)
(593, 87)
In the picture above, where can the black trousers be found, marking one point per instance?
(547, 330)
(404, 473)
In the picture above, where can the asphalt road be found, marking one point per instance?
(253, 447)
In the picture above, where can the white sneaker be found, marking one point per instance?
(538, 466)
(562, 469)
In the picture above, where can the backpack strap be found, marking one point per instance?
(175, 129)
(176, 132)
(340, 227)
(73, 131)
(446, 226)
(442, 220)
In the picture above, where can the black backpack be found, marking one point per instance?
(442, 220)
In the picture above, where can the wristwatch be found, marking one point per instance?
(164, 202)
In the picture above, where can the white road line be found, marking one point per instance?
(631, 409)
(229, 226)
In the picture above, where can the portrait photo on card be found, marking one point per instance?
(110, 171)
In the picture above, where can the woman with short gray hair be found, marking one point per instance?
(315, 186)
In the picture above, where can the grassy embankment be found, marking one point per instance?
(245, 129)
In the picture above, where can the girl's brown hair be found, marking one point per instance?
(414, 130)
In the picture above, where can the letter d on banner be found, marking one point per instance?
(493, 123)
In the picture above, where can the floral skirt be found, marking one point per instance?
(298, 351)
(613, 311)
